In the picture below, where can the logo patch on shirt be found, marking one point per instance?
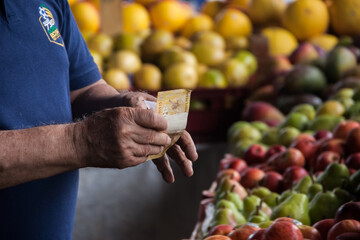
(47, 21)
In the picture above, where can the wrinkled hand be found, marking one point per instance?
(183, 152)
(120, 137)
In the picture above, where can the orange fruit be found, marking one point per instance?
(266, 11)
(232, 22)
(212, 8)
(102, 43)
(117, 79)
(87, 16)
(197, 23)
(170, 15)
(280, 40)
(125, 60)
(96, 3)
(306, 18)
(145, 2)
(345, 17)
(135, 18)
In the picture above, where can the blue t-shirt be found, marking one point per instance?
(42, 58)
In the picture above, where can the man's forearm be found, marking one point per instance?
(36, 153)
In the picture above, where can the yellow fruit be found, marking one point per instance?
(281, 41)
(237, 43)
(183, 42)
(87, 35)
(265, 12)
(325, 41)
(102, 43)
(135, 18)
(198, 23)
(232, 22)
(212, 7)
(87, 16)
(97, 59)
(238, 3)
(169, 15)
(127, 41)
(208, 55)
(157, 42)
(345, 17)
(117, 79)
(181, 75)
(236, 73)
(125, 60)
(212, 78)
(306, 18)
(210, 38)
(148, 77)
(331, 107)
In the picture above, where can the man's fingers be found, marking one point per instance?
(149, 119)
(152, 137)
(146, 150)
(188, 147)
(181, 160)
(163, 165)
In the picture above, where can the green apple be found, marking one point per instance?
(287, 134)
(241, 146)
(249, 133)
(344, 92)
(248, 59)
(259, 125)
(234, 130)
(296, 119)
(306, 109)
(270, 137)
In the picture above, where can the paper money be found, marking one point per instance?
(174, 106)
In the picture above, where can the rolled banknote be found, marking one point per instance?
(174, 106)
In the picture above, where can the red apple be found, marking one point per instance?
(283, 230)
(349, 210)
(243, 232)
(353, 161)
(274, 159)
(292, 175)
(324, 159)
(343, 128)
(277, 148)
(226, 160)
(291, 157)
(230, 173)
(348, 236)
(323, 226)
(238, 164)
(352, 141)
(308, 147)
(257, 235)
(323, 134)
(254, 154)
(273, 181)
(347, 225)
(334, 144)
(217, 237)
(288, 219)
(251, 177)
(221, 229)
(309, 232)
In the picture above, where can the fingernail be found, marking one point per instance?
(168, 141)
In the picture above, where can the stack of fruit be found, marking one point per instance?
(308, 184)
(167, 44)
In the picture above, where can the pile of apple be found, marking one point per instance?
(295, 190)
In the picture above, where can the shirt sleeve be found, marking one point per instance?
(83, 70)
